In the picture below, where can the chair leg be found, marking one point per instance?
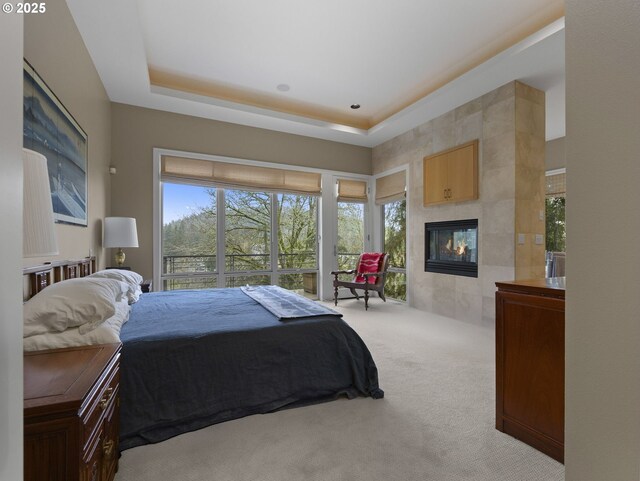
(381, 294)
(353, 291)
(366, 299)
(335, 294)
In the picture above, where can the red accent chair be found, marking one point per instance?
(369, 275)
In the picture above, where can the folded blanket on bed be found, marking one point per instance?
(285, 304)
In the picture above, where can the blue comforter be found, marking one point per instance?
(195, 358)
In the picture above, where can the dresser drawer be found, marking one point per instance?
(99, 403)
(91, 462)
(69, 433)
(110, 449)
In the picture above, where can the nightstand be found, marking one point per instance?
(146, 285)
(124, 268)
(71, 413)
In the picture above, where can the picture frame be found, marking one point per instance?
(49, 128)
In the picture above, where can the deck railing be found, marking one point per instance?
(203, 263)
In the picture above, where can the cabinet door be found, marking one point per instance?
(462, 173)
(48, 450)
(435, 179)
(530, 370)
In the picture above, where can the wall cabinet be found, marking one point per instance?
(530, 363)
(452, 175)
(71, 413)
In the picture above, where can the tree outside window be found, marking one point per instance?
(395, 237)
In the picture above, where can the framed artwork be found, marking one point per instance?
(52, 131)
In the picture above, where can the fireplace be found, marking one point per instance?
(451, 247)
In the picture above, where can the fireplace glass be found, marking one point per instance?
(452, 247)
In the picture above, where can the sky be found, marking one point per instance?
(182, 200)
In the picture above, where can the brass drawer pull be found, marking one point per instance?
(107, 448)
(105, 399)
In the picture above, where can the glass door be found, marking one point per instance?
(350, 239)
(297, 227)
(394, 219)
(247, 238)
(189, 228)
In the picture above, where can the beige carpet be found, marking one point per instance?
(436, 421)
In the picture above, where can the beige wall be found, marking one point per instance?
(11, 247)
(603, 234)
(136, 131)
(509, 122)
(555, 156)
(52, 44)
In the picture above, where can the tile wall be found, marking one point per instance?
(509, 122)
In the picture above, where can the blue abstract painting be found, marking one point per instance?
(52, 131)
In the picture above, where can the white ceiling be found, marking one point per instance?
(405, 62)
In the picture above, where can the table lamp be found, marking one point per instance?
(120, 232)
(38, 230)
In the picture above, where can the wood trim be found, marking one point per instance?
(229, 93)
(77, 366)
(44, 275)
(461, 146)
(549, 287)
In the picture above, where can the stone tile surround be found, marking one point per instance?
(509, 122)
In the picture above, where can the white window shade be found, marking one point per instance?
(240, 176)
(390, 187)
(352, 191)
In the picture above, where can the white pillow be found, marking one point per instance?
(133, 279)
(106, 333)
(120, 317)
(72, 303)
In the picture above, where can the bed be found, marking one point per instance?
(195, 358)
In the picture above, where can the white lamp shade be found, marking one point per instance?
(38, 230)
(120, 232)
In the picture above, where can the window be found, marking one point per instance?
(350, 234)
(189, 231)
(224, 223)
(214, 237)
(391, 196)
(247, 231)
(297, 232)
(297, 217)
(394, 215)
(555, 203)
(352, 198)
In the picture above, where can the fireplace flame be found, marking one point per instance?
(461, 248)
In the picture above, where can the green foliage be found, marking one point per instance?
(395, 234)
(297, 231)
(193, 236)
(248, 240)
(247, 230)
(247, 234)
(350, 234)
(555, 224)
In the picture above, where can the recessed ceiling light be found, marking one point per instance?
(355, 106)
(283, 87)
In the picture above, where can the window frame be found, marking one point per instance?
(326, 219)
(378, 225)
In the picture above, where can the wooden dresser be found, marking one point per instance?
(71, 413)
(530, 363)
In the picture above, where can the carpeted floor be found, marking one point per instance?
(436, 421)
